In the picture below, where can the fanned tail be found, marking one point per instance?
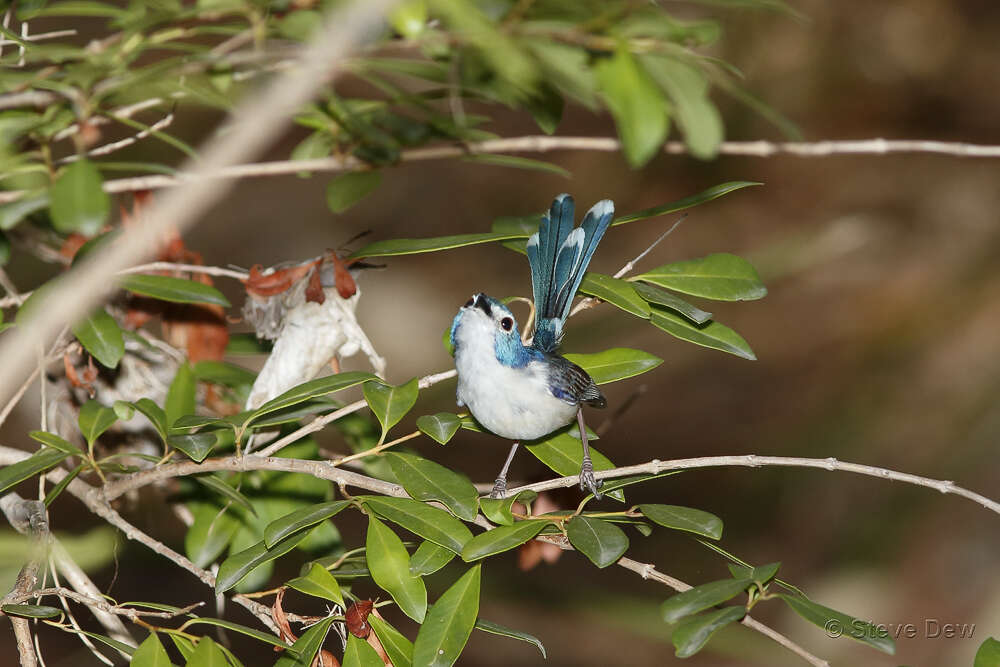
(559, 255)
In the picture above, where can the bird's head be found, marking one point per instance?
(483, 318)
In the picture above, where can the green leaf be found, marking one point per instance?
(687, 87)
(113, 643)
(242, 629)
(684, 518)
(320, 583)
(210, 533)
(348, 189)
(692, 633)
(31, 611)
(184, 646)
(177, 290)
(707, 195)
(839, 623)
(396, 645)
(518, 163)
(220, 372)
(150, 653)
(449, 623)
(207, 654)
(429, 558)
(502, 538)
(564, 454)
(602, 542)
(79, 203)
(395, 247)
(235, 568)
(389, 565)
(155, 414)
(638, 106)
(713, 334)
(427, 480)
(428, 522)
(181, 395)
(219, 486)
(199, 445)
(441, 426)
(615, 364)
(101, 336)
(988, 654)
(498, 510)
(56, 442)
(720, 276)
(761, 575)
(615, 291)
(300, 519)
(95, 419)
(14, 212)
(306, 647)
(409, 18)
(702, 597)
(311, 389)
(663, 298)
(503, 631)
(567, 68)
(63, 483)
(359, 653)
(389, 403)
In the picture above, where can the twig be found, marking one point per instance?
(189, 268)
(754, 461)
(123, 143)
(256, 123)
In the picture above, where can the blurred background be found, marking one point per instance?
(876, 344)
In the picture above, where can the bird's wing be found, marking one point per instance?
(570, 383)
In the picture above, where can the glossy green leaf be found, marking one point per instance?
(150, 653)
(720, 276)
(225, 490)
(692, 633)
(498, 510)
(31, 611)
(177, 290)
(441, 426)
(56, 490)
(181, 395)
(359, 653)
(224, 373)
(449, 623)
(762, 574)
(428, 522)
(320, 583)
(183, 645)
(564, 454)
(638, 106)
(300, 519)
(702, 597)
(113, 643)
(210, 533)
(567, 67)
(429, 558)
(311, 389)
(389, 565)
(684, 518)
(502, 538)
(707, 195)
(207, 654)
(615, 291)
(988, 654)
(395, 247)
(56, 442)
(239, 565)
(396, 645)
(101, 336)
(242, 629)
(390, 403)
(95, 419)
(829, 619)
(155, 414)
(426, 480)
(712, 334)
(306, 647)
(199, 445)
(14, 212)
(687, 88)
(409, 18)
(517, 162)
(615, 364)
(79, 203)
(653, 294)
(348, 189)
(602, 542)
(504, 631)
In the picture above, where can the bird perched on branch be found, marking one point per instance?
(525, 392)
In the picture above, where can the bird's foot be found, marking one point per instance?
(499, 488)
(587, 481)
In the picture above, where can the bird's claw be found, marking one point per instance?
(587, 481)
(499, 488)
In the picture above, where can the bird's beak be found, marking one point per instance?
(481, 302)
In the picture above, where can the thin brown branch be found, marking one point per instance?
(100, 603)
(188, 268)
(107, 149)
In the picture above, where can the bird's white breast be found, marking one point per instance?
(514, 403)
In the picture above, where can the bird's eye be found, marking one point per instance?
(507, 323)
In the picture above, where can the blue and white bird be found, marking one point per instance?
(526, 392)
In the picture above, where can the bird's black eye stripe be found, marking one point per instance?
(507, 323)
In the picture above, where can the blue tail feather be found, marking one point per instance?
(558, 256)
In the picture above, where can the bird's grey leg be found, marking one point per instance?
(500, 487)
(587, 481)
